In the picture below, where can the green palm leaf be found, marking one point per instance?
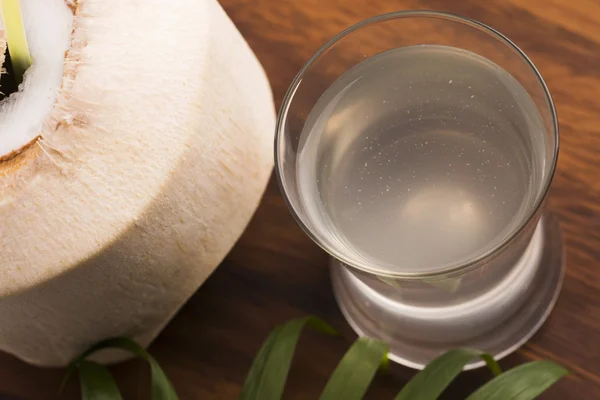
(350, 380)
(162, 389)
(267, 376)
(354, 374)
(97, 382)
(524, 382)
(439, 373)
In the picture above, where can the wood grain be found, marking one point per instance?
(276, 273)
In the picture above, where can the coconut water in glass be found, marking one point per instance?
(421, 165)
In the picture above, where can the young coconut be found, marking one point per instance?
(131, 159)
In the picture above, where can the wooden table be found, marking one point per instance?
(276, 273)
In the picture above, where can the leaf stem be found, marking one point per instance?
(16, 38)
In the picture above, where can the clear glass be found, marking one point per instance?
(368, 119)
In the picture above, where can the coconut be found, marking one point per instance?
(131, 159)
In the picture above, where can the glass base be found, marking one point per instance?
(373, 314)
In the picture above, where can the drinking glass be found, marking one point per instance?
(417, 148)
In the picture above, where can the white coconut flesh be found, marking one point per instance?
(48, 26)
(129, 167)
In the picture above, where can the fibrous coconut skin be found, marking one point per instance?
(146, 171)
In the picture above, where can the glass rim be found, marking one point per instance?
(452, 269)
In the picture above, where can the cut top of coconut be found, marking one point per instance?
(48, 25)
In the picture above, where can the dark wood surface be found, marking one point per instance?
(276, 273)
